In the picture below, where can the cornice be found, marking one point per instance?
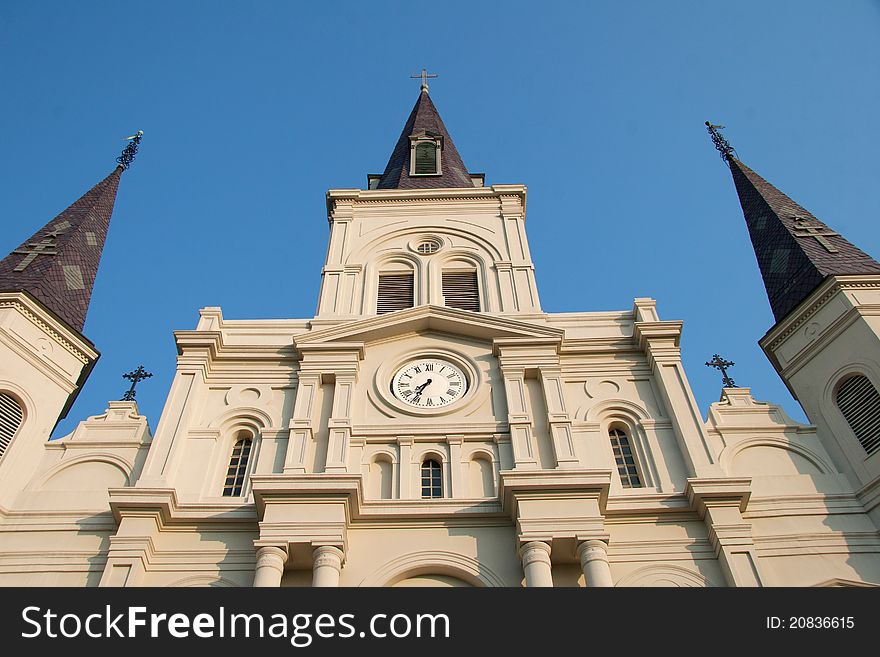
(781, 331)
(78, 348)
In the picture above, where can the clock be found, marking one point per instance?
(429, 383)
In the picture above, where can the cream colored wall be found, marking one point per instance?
(376, 231)
(832, 334)
(747, 498)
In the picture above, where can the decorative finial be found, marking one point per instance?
(727, 151)
(131, 149)
(719, 363)
(138, 375)
(424, 75)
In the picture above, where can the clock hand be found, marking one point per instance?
(419, 390)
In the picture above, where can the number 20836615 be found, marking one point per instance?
(810, 623)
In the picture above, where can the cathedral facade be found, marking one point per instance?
(431, 425)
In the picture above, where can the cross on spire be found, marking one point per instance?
(805, 228)
(719, 363)
(424, 75)
(135, 377)
(46, 246)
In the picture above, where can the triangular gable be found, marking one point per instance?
(430, 318)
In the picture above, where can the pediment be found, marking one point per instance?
(438, 319)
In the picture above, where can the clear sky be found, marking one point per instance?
(251, 111)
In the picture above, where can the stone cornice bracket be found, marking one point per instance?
(307, 510)
(330, 357)
(531, 352)
(659, 340)
(556, 505)
(162, 503)
(703, 493)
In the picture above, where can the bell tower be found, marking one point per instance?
(825, 294)
(45, 289)
(427, 232)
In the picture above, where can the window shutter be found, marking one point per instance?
(10, 420)
(460, 290)
(858, 400)
(395, 293)
(426, 158)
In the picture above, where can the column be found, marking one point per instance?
(270, 565)
(594, 560)
(327, 565)
(535, 558)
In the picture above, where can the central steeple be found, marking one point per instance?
(425, 156)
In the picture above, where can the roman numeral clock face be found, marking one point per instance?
(429, 383)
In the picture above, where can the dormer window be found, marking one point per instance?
(425, 155)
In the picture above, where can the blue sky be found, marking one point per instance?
(251, 111)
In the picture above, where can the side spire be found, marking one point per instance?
(57, 265)
(795, 250)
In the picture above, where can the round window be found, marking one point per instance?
(427, 247)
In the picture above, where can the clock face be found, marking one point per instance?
(429, 383)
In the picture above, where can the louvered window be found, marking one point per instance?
(426, 158)
(460, 290)
(395, 293)
(238, 465)
(10, 420)
(625, 459)
(858, 400)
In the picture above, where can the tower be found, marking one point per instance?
(824, 293)
(45, 289)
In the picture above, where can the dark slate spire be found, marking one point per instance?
(424, 119)
(58, 264)
(795, 250)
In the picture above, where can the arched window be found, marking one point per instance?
(461, 289)
(432, 475)
(396, 289)
(858, 400)
(238, 465)
(10, 420)
(625, 459)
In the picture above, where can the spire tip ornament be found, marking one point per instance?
(131, 150)
(424, 75)
(727, 151)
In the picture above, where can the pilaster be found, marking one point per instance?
(659, 340)
(720, 503)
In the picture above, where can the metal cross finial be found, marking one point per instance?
(424, 75)
(131, 150)
(719, 363)
(726, 150)
(138, 375)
